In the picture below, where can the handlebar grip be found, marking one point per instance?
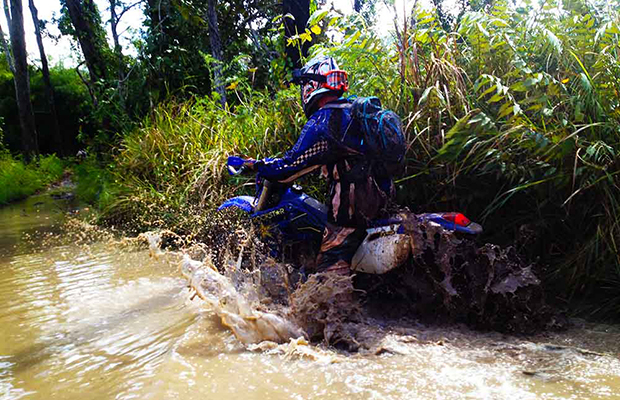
(236, 171)
(235, 162)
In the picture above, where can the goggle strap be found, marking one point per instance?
(309, 77)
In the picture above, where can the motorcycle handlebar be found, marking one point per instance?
(238, 165)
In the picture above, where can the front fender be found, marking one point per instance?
(244, 203)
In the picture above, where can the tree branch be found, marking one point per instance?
(88, 84)
(127, 8)
(7, 12)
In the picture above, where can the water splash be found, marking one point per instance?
(154, 241)
(248, 323)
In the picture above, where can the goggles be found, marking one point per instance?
(337, 80)
(333, 80)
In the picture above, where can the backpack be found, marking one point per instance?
(381, 133)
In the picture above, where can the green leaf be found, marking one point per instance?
(583, 68)
(488, 91)
(555, 42)
(352, 39)
(426, 20)
(482, 30)
(425, 94)
(519, 87)
(317, 17)
(578, 114)
(495, 98)
(506, 109)
(553, 90)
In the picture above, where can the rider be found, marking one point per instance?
(331, 140)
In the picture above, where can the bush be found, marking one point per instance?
(512, 119)
(94, 182)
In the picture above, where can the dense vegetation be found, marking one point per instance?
(512, 116)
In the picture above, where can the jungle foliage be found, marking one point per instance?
(19, 180)
(513, 117)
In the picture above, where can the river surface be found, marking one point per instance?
(98, 319)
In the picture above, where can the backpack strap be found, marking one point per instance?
(341, 104)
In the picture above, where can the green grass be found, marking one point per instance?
(19, 180)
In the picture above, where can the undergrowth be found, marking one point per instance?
(169, 173)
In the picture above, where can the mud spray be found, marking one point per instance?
(448, 279)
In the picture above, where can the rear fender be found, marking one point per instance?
(244, 203)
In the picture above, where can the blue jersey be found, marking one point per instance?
(317, 146)
(331, 139)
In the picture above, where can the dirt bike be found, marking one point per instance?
(286, 216)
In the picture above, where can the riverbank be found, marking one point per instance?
(19, 180)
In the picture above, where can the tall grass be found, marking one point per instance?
(515, 119)
(170, 172)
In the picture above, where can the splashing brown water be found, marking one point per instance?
(447, 278)
(86, 315)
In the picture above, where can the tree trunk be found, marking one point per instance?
(49, 90)
(216, 51)
(300, 10)
(9, 57)
(118, 51)
(15, 16)
(91, 36)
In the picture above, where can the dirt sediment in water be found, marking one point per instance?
(326, 307)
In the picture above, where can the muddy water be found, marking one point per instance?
(97, 320)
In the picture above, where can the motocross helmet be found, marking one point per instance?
(318, 78)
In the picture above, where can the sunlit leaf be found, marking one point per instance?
(317, 17)
(305, 37)
(352, 39)
(425, 94)
(482, 30)
(505, 110)
(488, 91)
(495, 98)
(555, 42)
(519, 87)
